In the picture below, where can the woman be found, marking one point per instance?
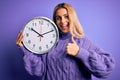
(74, 57)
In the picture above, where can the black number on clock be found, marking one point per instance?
(29, 28)
(27, 34)
(48, 24)
(34, 24)
(41, 22)
(29, 41)
(33, 45)
(40, 48)
(51, 42)
(53, 35)
(46, 46)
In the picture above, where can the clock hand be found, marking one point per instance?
(40, 32)
(47, 32)
(36, 32)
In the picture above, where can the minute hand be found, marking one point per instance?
(47, 32)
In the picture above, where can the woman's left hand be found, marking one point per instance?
(72, 48)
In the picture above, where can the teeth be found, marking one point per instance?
(64, 25)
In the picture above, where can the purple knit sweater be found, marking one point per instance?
(57, 65)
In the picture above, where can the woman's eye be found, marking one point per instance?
(66, 17)
(57, 18)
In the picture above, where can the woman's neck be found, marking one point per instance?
(63, 35)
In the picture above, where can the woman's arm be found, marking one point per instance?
(99, 62)
(34, 64)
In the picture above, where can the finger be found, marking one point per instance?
(20, 32)
(20, 37)
(19, 42)
(69, 44)
(72, 39)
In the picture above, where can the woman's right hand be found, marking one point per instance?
(19, 39)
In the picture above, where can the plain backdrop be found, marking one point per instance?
(100, 20)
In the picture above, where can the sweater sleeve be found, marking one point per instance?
(99, 62)
(34, 64)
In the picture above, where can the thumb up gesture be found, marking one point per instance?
(72, 48)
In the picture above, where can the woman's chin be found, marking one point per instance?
(64, 31)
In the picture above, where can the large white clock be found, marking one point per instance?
(40, 35)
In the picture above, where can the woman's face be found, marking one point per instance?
(62, 20)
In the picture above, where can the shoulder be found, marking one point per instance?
(85, 42)
(82, 39)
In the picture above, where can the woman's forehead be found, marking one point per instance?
(61, 11)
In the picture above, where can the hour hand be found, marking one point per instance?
(36, 32)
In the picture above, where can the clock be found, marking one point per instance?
(40, 35)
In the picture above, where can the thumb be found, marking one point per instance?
(72, 39)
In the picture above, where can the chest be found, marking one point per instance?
(59, 50)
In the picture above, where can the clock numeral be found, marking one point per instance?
(40, 48)
(27, 34)
(48, 24)
(41, 22)
(29, 41)
(33, 45)
(34, 24)
(46, 46)
(53, 35)
(51, 42)
(29, 28)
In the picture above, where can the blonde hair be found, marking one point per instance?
(74, 24)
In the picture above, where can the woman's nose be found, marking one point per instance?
(62, 20)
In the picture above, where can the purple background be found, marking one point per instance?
(100, 20)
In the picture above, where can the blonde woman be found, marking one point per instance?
(74, 57)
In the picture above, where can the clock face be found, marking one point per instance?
(40, 35)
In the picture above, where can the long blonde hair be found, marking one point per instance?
(74, 24)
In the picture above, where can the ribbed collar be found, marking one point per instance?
(63, 35)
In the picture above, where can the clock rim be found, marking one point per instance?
(57, 31)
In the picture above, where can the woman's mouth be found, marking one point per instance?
(64, 26)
